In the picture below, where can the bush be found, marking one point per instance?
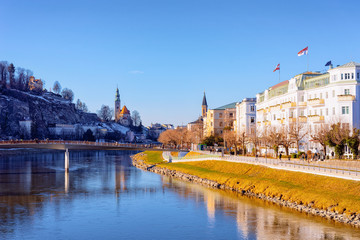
(294, 155)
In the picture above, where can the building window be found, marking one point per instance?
(231, 115)
(212, 115)
(333, 111)
(352, 75)
(345, 109)
(252, 119)
(342, 76)
(320, 95)
(333, 93)
(334, 77)
(302, 98)
(358, 75)
(302, 113)
(252, 108)
(220, 124)
(220, 115)
(326, 95)
(327, 112)
(347, 91)
(315, 112)
(310, 112)
(309, 96)
(274, 117)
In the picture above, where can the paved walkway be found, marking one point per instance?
(318, 168)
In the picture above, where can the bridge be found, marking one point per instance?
(82, 145)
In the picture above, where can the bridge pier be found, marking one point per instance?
(67, 160)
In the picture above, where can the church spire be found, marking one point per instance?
(204, 106)
(117, 95)
(204, 102)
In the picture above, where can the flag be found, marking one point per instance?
(328, 63)
(277, 67)
(303, 52)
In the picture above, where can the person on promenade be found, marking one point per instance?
(306, 157)
(280, 156)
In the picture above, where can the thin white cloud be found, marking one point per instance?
(136, 72)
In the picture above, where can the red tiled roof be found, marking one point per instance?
(280, 84)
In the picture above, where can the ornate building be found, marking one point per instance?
(122, 115)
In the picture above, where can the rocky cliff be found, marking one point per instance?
(42, 109)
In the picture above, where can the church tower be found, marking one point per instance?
(117, 105)
(204, 107)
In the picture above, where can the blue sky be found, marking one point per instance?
(164, 54)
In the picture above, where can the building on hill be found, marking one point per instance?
(122, 115)
(312, 100)
(35, 85)
(125, 117)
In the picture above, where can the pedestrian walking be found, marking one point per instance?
(280, 156)
(306, 156)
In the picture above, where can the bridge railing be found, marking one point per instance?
(88, 143)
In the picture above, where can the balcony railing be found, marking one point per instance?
(346, 97)
(302, 104)
(292, 120)
(316, 102)
(302, 119)
(316, 118)
(288, 105)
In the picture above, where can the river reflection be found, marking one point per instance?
(105, 197)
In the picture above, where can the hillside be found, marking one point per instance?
(43, 109)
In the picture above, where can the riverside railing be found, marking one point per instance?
(296, 165)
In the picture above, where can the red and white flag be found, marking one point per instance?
(277, 67)
(303, 52)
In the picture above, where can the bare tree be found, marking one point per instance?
(11, 71)
(298, 131)
(105, 113)
(230, 137)
(3, 73)
(286, 139)
(136, 118)
(78, 104)
(57, 87)
(68, 94)
(255, 139)
(242, 140)
(337, 136)
(320, 135)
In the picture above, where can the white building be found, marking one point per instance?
(246, 117)
(313, 98)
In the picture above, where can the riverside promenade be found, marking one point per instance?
(328, 168)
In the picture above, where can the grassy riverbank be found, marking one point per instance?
(321, 192)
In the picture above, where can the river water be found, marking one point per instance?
(105, 197)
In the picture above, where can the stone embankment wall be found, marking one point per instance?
(353, 220)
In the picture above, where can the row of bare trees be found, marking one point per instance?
(14, 78)
(335, 135)
(181, 137)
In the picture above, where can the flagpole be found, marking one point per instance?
(307, 61)
(279, 74)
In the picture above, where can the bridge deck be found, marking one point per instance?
(80, 145)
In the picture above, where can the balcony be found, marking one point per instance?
(316, 102)
(266, 123)
(288, 105)
(302, 119)
(302, 104)
(346, 97)
(281, 121)
(292, 120)
(275, 107)
(316, 118)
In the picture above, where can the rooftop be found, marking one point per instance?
(230, 105)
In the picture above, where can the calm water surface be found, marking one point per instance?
(105, 197)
